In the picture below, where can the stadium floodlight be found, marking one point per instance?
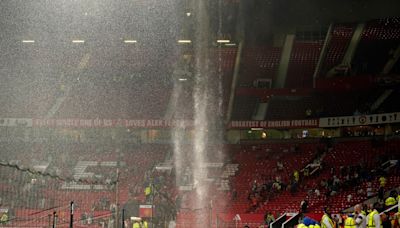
(28, 41)
(130, 41)
(183, 79)
(223, 41)
(184, 41)
(78, 41)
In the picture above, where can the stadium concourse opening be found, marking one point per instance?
(199, 113)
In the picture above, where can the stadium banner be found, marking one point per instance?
(15, 122)
(344, 121)
(283, 124)
(99, 123)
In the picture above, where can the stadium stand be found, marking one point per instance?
(341, 36)
(96, 166)
(43, 169)
(389, 105)
(259, 63)
(244, 107)
(377, 44)
(321, 104)
(260, 170)
(302, 63)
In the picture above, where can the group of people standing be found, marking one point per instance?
(373, 217)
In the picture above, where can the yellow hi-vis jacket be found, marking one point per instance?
(136, 225)
(371, 221)
(147, 191)
(390, 201)
(329, 219)
(301, 225)
(349, 222)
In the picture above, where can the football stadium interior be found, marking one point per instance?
(199, 113)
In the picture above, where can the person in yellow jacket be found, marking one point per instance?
(373, 218)
(382, 181)
(296, 176)
(349, 222)
(326, 221)
(136, 223)
(301, 225)
(148, 192)
(391, 200)
(144, 224)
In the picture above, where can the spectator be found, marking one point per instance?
(360, 192)
(89, 219)
(396, 218)
(370, 193)
(336, 180)
(323, 183)
(308, 112)
(333, 171)
(83, 218)
(334, 189)
(127, 223)
(172, 224)
(317, 192)
(304, 206)
(269, 218)
(349, 198)
(234, 194)
(279, 166)
(254, 186)
(306, 172)
(360, 219)
(296, 176)
(386, 223)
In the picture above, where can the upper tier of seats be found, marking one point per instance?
(340, 39)
(36, 76)
(111, 83)
(302, 63)
(379, 40)
(244, 107)
(259, 63)
(321, 105)
(116, 100)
